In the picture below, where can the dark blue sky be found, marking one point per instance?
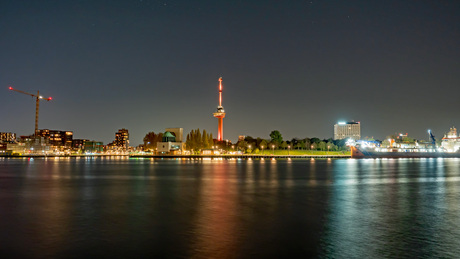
(294, 66)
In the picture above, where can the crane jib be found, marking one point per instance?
(37, 106)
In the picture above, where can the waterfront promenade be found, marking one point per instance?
(244, 156)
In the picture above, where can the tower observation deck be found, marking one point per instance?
(220, 115)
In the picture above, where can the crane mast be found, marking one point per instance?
(37, 104)
(433, 139)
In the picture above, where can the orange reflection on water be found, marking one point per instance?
(52, 212)
(216, 218)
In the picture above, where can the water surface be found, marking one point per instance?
(344, 208)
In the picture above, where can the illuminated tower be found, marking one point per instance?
(220, 114)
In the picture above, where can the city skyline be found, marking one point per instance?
(296, 67)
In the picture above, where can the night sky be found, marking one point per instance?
(295, 66)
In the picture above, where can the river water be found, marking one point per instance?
(136, 208)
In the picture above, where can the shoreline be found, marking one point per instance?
(183, 156)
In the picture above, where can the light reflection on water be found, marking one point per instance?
(230, 208)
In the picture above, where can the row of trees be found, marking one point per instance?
(151, 139)
(276, 142)
(197, 140)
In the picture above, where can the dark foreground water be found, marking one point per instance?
(134, 208)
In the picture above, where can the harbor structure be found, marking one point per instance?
(451, 141)
(344, 130)
(220, 115)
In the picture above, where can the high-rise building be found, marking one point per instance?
(343, 130)
(122, 138)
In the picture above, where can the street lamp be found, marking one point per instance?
(311, 148)
(328, 149)
(289, 149)
(262, 149)
(273, 148)
(249, 147)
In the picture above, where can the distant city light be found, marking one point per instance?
(342, 123)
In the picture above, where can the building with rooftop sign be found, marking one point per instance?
(344, 130)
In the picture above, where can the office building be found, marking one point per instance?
(344, 130)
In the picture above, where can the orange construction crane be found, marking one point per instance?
(37, 106)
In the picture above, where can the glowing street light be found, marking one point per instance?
(262, 147)
(289, 149)
(273, 148)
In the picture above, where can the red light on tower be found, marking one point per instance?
(11, 88)
(49, 98)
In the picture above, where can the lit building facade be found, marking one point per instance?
(33, 146)
(93, 147)
(122, 138)
(7, 137)
(57, 138)
(79, 144)
(344, 130)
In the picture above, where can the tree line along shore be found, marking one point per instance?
(198, 140)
